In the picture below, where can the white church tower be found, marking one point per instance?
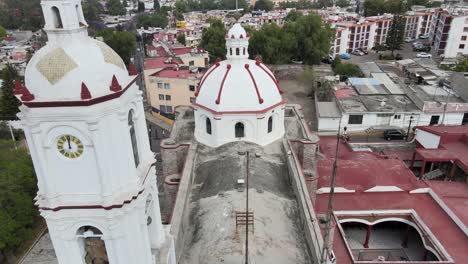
(238, 99)
(85, 126)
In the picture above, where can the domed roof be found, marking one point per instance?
(56, 72)
(238, 86)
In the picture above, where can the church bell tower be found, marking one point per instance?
(84, 122)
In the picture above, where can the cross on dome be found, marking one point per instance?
(237, 43)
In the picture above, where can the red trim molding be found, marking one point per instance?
(80, 103)
(260, 99)
(228, 68)
(259, 64)
(206, 76)
(239, 112)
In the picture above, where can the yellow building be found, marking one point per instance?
(170, 87)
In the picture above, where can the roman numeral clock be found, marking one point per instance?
(70, 146)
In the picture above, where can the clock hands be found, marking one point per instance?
(68, 140)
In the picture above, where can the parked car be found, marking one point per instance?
(422, 48)
(416, 43)
(426, 36)
(408, 40)
(423, 55)
(363, 51)
(391, 134)
(345, 56)
(358, 52)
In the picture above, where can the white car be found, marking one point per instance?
(358, 52)
(407, 40)
(424, 36)
(423, 55)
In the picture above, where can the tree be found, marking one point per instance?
(293, 15)
(91, 10)
(141, 7)
(342, 3)
(346, 69)
(396, 33)
(8, 102)
(154, 20)
(115, 8)
(124, 3)
(3, 33)
(323, 3)
(156, 6)
(308, 78)
(376, 7)
(122, 42)
(17, 191)
(180, 6)
(273, 44)
(265, 5)
(25, 15)
(181, 39)
(213, 40)
(462, 66)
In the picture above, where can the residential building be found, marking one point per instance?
(449, 32)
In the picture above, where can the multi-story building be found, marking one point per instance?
(449, 32)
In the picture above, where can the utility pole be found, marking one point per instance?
(326, 241)
(247, 210)
(445, 107)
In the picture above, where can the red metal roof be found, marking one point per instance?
(161, 62)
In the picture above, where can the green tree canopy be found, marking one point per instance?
(23, 14)
(3, 33)
(462, 66)
(342, 3)
(158, 19)
(17, 190)
(181, 39)
(376, 7)
(156, 6)
(8, 102)
(293, 15)
(122, 42)
(266, 5)
(396, 33)
(92, 9)
(306, 39)
(141, 7)
(213, 40)
(115, 8)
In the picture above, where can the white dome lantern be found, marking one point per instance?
(71, 58)
(238, 98)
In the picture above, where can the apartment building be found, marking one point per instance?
(352, 35)
(171, 87)
(449, 32)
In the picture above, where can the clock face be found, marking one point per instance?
(70, 146)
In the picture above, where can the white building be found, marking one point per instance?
(238, 98)
(84, 122)
(449, 32)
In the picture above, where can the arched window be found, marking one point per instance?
(56, 17)
(78, 15)
(270, 124)
(230, 51)
(243, 51)
(133, 138)
(239, 129)
(237, 51)
(208, 126)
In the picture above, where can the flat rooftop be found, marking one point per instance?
(214, 199)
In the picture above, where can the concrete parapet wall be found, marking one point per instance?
(308, 218)
(180, 217)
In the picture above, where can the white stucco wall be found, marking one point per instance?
(223, 127)
(428, 140)
(450, 118)
(454, 38)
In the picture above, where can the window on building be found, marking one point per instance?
(167, 86)
(162, 108)
(168, 109)
(237, 51)
(56, 17)
(465, 29)
(168, 97)
(192, 99)
(465, 119)
(208, 126)
(230, 51)
(191, 63)
(397, 117)
(160, 85)
(461, 46)
(239, 130)
(270, 124)
(133, 138)
(243, 51)
(463, 38)
(161, 96)
(192, 88)
(355, 119)
(434, 120)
